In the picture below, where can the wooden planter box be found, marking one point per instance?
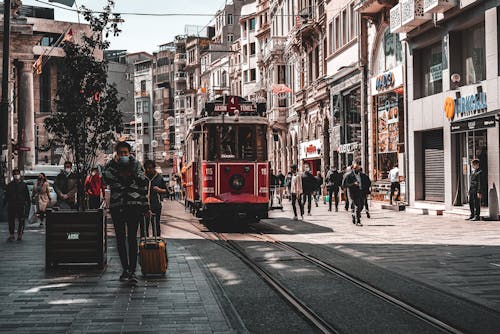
(76, 237)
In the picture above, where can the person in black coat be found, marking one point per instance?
(475, 192)
(308, 186)
(366, 185)
(333, 184)
(353, 182)
(156, 189)
(319, 185)
(17, 198)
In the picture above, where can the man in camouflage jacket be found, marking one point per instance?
(128, 204)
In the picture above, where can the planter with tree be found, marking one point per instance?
(86, 121)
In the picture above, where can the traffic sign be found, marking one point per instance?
(24, 148)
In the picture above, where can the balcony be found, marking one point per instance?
(180, 76)
(141, 93)
(275, 46)
(438, 6)
(180, 58)
(277, 115)
(412, 13)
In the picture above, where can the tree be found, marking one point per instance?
(87, 117)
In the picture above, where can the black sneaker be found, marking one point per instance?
(475, 219)
(359, 223)
(367, 214)
(469, 218)
(124, 276)
(132, 279)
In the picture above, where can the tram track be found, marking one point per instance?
(294, 301)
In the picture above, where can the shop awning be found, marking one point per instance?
(483, 121)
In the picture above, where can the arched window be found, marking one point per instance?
(389, 52)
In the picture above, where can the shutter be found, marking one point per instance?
(433, 166)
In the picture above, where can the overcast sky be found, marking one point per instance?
(145, 33)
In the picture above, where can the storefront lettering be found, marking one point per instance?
(348, 148)
(385, 81)
(470, 105)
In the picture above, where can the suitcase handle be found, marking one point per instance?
(154, 223)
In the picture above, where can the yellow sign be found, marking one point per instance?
(449, 108)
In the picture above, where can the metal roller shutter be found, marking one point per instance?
(433, 166)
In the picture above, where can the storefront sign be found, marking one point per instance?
(348, 148)
(387, 81)
(476, 124)
(310, 149)
(470, 106)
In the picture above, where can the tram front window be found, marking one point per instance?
(246, 143)
(228, 142)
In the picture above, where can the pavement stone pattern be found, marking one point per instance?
(90, 301)
(446, 252)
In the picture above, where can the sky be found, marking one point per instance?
(145, 33)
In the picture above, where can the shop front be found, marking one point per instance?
(310, 153)
(470, 122)
(388, 122)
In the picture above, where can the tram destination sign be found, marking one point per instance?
(232, 109)
(234, 104)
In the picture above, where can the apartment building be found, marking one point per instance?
(143, 95)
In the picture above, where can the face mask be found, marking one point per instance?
(124, 160)
(93, 173)
(306, 169)
(67, 170)
(17, 177)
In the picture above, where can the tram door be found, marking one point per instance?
(473, 144)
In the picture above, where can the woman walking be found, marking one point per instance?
(41, 196)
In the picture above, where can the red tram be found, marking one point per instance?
(227, 164)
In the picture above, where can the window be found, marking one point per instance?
(229, 18)
(230, 38)
(240, 142)
(145, 106)
(473, 54)
(252, 49)
(430, 70)
(252, 24)
(146, 128)
(345, 27)
(330, 38)
(245, 50)
(337, 33)
(45, 89)
(354, 20)
(138, 107)
(253, 74)
(143, 86)
(390, 52)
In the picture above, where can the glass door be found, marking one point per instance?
(475, 147)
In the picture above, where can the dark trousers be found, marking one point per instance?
(126, 223)
(358, 203)
(155, 225)
(346, 200)
(301, 206)
(335, 196)
(308, 198)
(474, 204)
(94, 202)
(366, 203)
(394, 186)
(13, 212)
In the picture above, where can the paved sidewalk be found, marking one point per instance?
(90, 301)
(444, 251)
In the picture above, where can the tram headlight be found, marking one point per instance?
(237, 182)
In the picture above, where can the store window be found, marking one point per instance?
(429, 67)
(390, 131)
(390, 52)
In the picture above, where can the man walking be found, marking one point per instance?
(394, 178)
(366, 185)
(346, 172)
(319, 186)
(296, 192)
(66, 187)
(333, 183)
(128, 205)
(17, 198)
(309, 186)
(353, 182)
(475, 194)
(94, 188)
(156, 187)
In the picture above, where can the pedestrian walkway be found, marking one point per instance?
(91, 301)
(445, 251)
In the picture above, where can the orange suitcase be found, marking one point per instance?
(153, 252)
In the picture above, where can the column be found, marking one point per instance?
(26, 114)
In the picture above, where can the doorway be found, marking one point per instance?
(473, 145)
